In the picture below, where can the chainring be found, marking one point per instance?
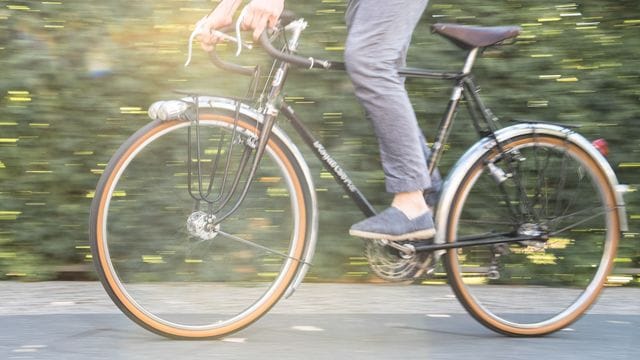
(391, 265)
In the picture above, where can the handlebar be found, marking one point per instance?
(229, 66)
(265, 42)
(309, 62)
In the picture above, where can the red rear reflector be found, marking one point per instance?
(602, 146)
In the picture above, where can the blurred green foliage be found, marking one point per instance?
(77, 77)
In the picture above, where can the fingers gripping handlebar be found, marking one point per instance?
(265, 42)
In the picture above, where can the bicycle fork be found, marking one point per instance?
(236, 158)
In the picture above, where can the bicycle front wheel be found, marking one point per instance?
(553, 202)
(156, 257)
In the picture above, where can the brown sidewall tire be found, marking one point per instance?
(592, 291)
(109, 279)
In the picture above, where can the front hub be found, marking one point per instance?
(202, 225)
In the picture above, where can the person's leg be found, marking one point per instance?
(379, 36)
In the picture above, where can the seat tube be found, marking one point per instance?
(444, 128)
(471, 59)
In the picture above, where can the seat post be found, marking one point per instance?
(471, 59)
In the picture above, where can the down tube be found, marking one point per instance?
(329, 163)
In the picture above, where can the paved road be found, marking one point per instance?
(76, 320)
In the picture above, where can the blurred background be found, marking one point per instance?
(78, 76)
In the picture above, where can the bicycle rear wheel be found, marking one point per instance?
(552, 193)
(155, 255)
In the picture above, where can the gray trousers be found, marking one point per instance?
(379, 33)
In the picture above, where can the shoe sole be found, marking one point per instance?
(415, 236)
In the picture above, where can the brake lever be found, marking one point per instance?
(238, 22)
(194, 33)
(198, 29)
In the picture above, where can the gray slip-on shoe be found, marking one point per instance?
(393, 225)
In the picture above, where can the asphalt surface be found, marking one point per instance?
(77, 320)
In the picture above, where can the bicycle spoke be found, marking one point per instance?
(561, 183)
(541, 184)
(576, 194)
(572, 226)
(558, 219)
(258, 246)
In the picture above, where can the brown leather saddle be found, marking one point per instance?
(469, 37)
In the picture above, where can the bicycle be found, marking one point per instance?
(530, 210)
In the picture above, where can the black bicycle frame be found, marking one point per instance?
(483, 121)
(464, 88)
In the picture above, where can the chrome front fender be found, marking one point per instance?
(464, 164)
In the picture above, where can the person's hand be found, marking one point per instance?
(221, 17)
(260, 14)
